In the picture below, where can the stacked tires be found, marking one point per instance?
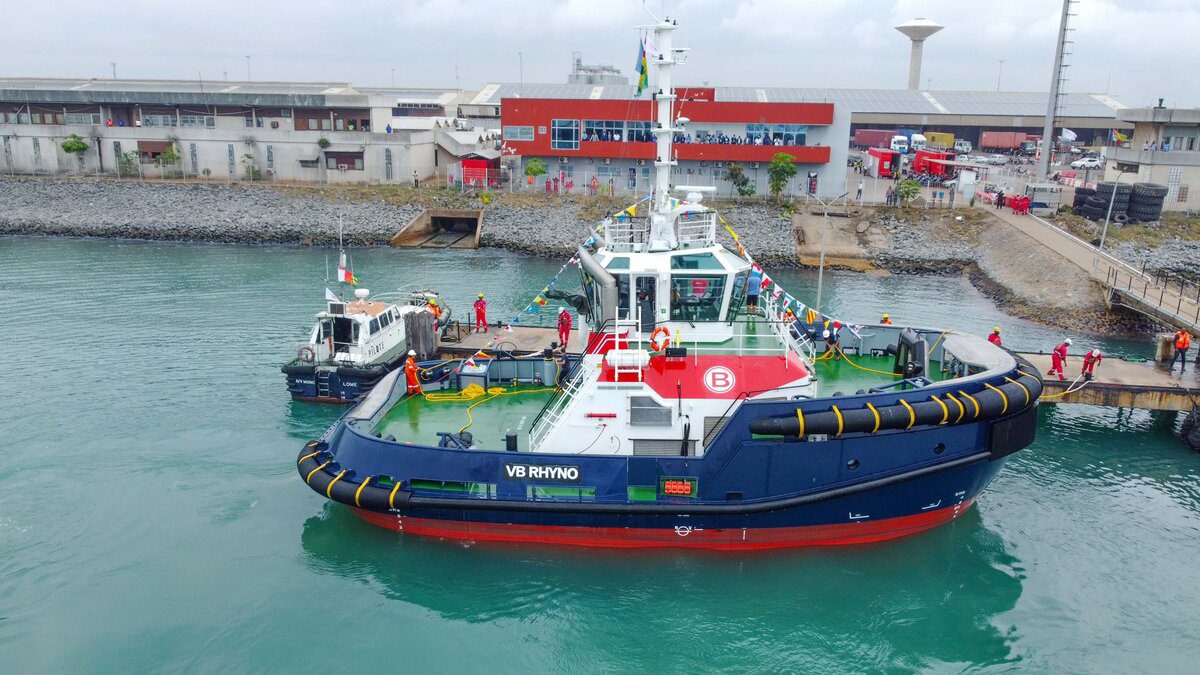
(1081, 196)
(1146, 201)
(1190, 432)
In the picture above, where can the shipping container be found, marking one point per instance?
(1001, 140)
(873, 138)
(921, 163)
(939, 140)
(882, 162)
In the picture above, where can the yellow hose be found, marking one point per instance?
(869, 370)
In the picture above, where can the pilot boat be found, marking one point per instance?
(688, 418)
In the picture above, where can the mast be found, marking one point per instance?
(662, 229)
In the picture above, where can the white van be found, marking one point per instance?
(917, 142)
(962, 145)
(900, 144)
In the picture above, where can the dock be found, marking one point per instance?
(1120, 383)
(522, 340)
(441, 228)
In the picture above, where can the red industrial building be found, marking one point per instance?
(612, 139)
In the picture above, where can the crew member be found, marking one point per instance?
(753, 288)
(481, 315)
(833, 342)
(994, 338)
(1058, 359)
(411, 371)
(886, 320)
(564, 326)
(1090, 361)
(1183, 341)
(437, 313)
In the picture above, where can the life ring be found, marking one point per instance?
(307, 354)
(666, 339)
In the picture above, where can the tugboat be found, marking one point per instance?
(691, 418)
(354, 344)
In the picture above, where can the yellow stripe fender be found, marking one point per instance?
(800, 417)
(392, 496)
(1002, 397)
(973, 402)
(912, 414)
(876, 414)
(945, 410)
(309, 455)
(308, 479)
(840, 419)
(358, 492)
(1025, 389)
(329, 488)
(962, 409)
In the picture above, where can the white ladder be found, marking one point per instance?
(562, 404)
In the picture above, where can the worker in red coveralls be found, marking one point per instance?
(1058, 359)
(994, 338)
(564, 326)
(481, 315)
(1090, 361)
(411, 371)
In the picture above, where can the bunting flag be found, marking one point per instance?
(811, 316)
(1118, 137)
(642, 69)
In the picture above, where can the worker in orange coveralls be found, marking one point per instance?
(411, 372)
(994, 338)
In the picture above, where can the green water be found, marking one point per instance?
(151, 518)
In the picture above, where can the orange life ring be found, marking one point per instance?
(666, 339)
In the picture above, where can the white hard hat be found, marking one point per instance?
(561, 310)
(1067, 341)
(825, 334)
(411, 353)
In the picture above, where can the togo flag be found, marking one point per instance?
(347, 277)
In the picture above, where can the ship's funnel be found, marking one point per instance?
(917, 30)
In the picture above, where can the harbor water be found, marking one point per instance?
(151, 518)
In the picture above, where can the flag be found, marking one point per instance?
(777, 292)
(508, 329)
(1068, 135)
(470, 361)
(643, 70)
(811, 316)
(1118, 137)
(331, 296)
(347, 277)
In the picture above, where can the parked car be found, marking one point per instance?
(1088, 163)
(997, 160)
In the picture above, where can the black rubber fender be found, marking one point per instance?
(920, 409)
(297, 369)
(373, 372)
(316, 466)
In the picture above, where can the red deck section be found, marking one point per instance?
(714, 375)
(860, 532)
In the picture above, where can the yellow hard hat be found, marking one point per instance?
(433, 302)
(996, 329)
(885, 315)
(481, 295)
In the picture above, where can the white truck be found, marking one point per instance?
(961, 145)
(900, 144)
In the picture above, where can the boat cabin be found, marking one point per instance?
(359, 332)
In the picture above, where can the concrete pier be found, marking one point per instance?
(1120, 383)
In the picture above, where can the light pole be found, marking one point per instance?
(1111, 200)
(998, 74)
(114, 67)
(393, 78)
(521, 89)
(248, 68)
(824, 243)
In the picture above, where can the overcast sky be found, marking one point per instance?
(1137, 50)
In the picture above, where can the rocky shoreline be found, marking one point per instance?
(891, 241)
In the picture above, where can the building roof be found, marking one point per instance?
(895, 101)
(215, 92)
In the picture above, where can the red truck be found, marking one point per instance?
(921, 163)
(1002, 140)
(874, 138)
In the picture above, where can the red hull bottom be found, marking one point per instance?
(320, 399)
(859, 532)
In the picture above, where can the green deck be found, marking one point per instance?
(418, 420)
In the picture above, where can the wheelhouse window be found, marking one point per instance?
(518, 133)
(564, 134)
(697, 297)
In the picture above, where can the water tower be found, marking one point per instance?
(917, 30)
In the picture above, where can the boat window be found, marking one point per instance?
(385, 320)
(696, 297)
(343, 330)
(622, 295)
(695, 261)
(324, 330)
(354, 335)
(618, 263)
(374, 326)
(737, 297)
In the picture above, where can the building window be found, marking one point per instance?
(518, 133)
(564, 135)
(286, 113)
(159, 120)
(1183, 193)
(270, 158)
(640, 132)
(309, 163)
(83, 118)
(207, 121)
(603, 130)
